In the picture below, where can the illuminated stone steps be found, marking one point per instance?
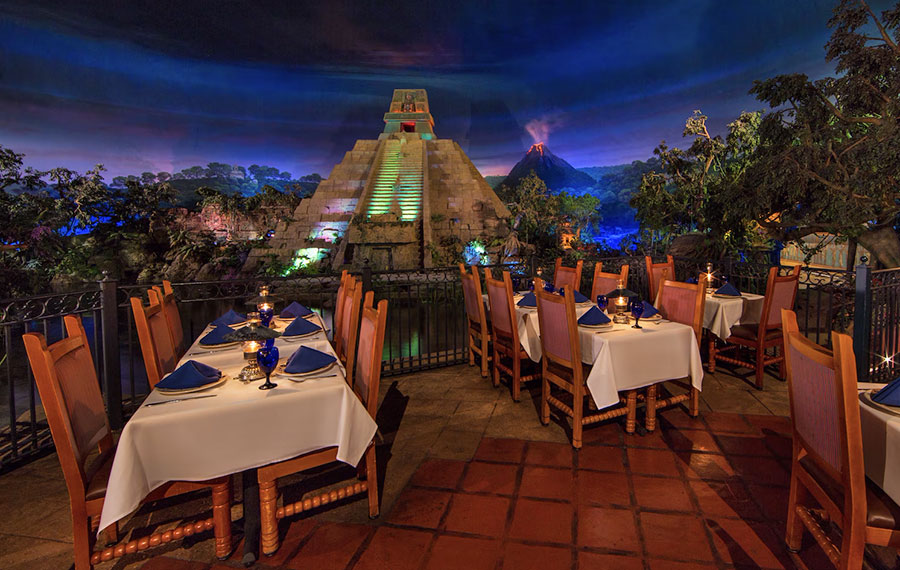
(398, 181)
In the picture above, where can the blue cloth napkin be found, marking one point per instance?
(300, 326)
(230, 318)
(579, 298)
(295, 310)
(691, 280)
(529, 300)
(728, 289)
(307, 359)
(593, 317)
(649, 310)
(889, 395)
(191, 374)
(217, 336)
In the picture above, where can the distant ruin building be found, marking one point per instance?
(392, 203)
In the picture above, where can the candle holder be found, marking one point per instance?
(620, 297)
(252, 338)
(265, 305)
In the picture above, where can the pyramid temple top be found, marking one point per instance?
(409, 113)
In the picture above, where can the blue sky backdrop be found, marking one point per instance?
(163, 85)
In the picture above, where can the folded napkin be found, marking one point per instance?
(649, 310)
(691, 280)
(889, 395)
(307, 359)
(295, 310)
(191, 374)
(300, 326)
(529, 300)
(230, 318)
(594, 316)
(579, 298)
(728, 289)
(217, 336)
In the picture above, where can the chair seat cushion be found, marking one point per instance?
(749, 332)
(882, 511)
(96, 487)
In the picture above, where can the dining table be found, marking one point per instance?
(233, 427)
(880, 427)
(622, 357)
(722, 312)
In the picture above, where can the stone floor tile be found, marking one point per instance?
(661, 493)
(455, 553)
(420, 507)
(547, 483)
(680, 537)
(496, 478)
(330, 547)
(530, 557)
(455, 444)
(601, 458)
(612, 529)
(550, 454)
(394, 548)
(691, 440)
(506, 450)
(652, 462)
(439, 473)
(592, 560)
(478, 514)
(705, 466)
(602, 488)
(542, 521)
(748, 543)
(725, 499)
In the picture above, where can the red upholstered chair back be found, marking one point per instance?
(824, 408)
(70, 394)
(657, 272)
(683, 303)
(567, 277)
(157, 347)
(503, 312)
(368, 356)
(603, 283)
(780, 294)
(471, 286)
(559, 330)
(158, 296)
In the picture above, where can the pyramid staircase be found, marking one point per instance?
(398, 181)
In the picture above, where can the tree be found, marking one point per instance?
(219, 170)
(535, 211)
(148, 178)
(163, 176)
(828, 161)
(691, 190)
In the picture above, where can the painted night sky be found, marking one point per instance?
(151, 86)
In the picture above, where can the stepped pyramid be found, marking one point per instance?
(391, 202)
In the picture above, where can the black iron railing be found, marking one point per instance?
(426, 324)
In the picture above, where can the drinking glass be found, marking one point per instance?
(267, 359)
(266, 313)
(602, 302)
(637, 309)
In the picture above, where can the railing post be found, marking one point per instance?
(111, 378)
(862, 319)
(366, 278)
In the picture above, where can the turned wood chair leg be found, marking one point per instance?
(268, 503)
(577, 415)
(221, 500)
(545, 402)
(372, 489)
(484, 357)
(631, 409)
(694, 406)
(495, 367)
(83, 544)
(471, 351)
(711, 364)
(794, 527)
(760, 366)
(516, 378)
(650, 408)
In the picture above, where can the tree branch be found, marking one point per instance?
(884, 34)
(840, 115)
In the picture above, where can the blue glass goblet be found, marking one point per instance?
(267, 359)
(602, 302)
(637, 309)
(531, 285)
(265, 315)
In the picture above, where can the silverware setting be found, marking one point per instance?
(211, 351)
(181, 400)
(303, 378)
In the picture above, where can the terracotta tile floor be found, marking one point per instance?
(506, 492)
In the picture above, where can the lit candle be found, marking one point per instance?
(709, 272)
(250, 347)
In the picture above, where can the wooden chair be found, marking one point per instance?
(681, 303)
(165, 296)
(156, 340)
(70, 394)
(603, 283)
(339, 309)
(505, 334)
(345, 340)
(656, 272)
(827, 465)
(479, 334)
(567, 276)
(780, 294)
(368, 375)
(561, 364)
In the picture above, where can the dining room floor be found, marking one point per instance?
(472, 480)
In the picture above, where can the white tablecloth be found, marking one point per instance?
(881, 448)
(241, 428)
(720, 313)
(625, 358)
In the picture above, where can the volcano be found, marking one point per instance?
(553, 170)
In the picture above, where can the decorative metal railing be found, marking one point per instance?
(426, 324)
